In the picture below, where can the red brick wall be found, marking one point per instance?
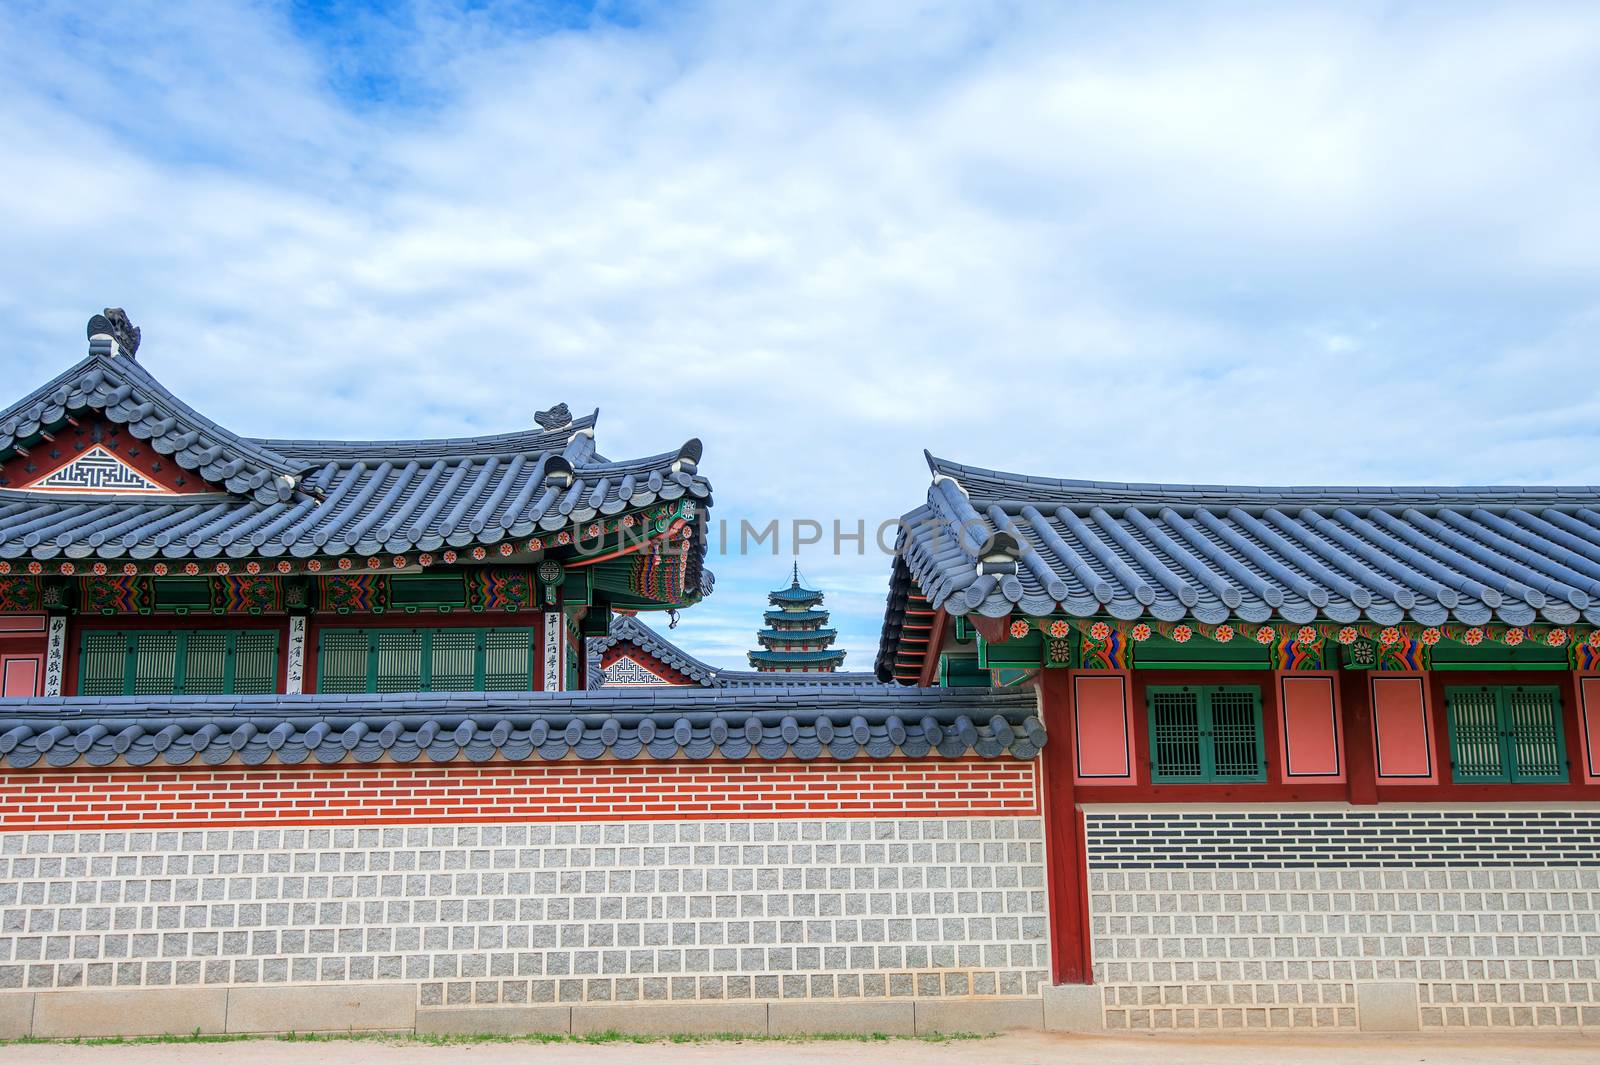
(441, 794)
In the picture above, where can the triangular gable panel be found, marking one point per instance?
(628, 672)
(94, 456)
(98, 470)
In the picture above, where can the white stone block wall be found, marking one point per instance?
(487, 914)
(1271, 918)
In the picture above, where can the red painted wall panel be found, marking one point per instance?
(1311, 737)
(20, 675)
(1103, 729)
(1589, 710)
(1402, 729)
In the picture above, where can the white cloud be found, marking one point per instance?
(1253, 243)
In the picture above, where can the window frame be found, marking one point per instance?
(374, 635)
(180, 672)
(1205, 725)
(1509, 742)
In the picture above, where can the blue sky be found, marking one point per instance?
(1356, 243)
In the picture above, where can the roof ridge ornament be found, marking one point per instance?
(557, 417)
(111, 333)
(688, 460)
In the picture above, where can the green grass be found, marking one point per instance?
(455, 1040)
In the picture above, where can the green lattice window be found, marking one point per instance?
(176, 662)
(1206, 735)
(425, 660)
(1506, 735)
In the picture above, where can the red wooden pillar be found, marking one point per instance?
(1065, 862)
(1355, 698)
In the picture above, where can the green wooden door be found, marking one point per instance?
(158, 662)
(425, 660)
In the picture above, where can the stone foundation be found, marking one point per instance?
(699, 911)
(1339, 918)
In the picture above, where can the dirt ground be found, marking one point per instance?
(1016, 1049)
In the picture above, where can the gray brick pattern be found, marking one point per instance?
(1345, 839)
(1284, 948)
(539, 913)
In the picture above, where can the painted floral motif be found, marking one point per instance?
(1141, 633)
(399, 561)
(223, 568)
(98, 569)
(479, 554)
(68, 568)
(129, 569)
(34, 567)
(344, 563)
(425, 559)
(1059, 629)
(1389, 636)
(1431, 636)
(1224, 634)
(1348, 635)
(374, 562)
(1594, 638)
(1100, 630)
(563, 538)
(160, 569)
(449, 557)
(315, 565)
(5, 567)
(284, 567)
(252, 568)
(1265, 634)
(1472, 637)
(1556, 638)
(1060, 651)
(506, 549)
(1182, 634)
(18, 595)
(1307, 634)
(1019, 629)
(1514, 637)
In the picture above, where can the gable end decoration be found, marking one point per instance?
(97, 471)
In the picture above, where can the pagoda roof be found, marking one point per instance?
(286, 499)
(1516, 555)
(794, 593)
(799, 719)
(630, 630)
(801, 635)
(796, 615)
(795, 657)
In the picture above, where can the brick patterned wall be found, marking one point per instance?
(510, 792)
(1268, 918)
(594, 912)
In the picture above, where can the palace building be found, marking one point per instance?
(1318, 757)
(146, 550)
(321, 735)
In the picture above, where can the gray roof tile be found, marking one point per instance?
(801, 721)
(1515, 555)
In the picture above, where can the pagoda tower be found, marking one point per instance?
(795, 639)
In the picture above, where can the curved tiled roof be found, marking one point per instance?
(126, 394)
(795, 657)
(296, 499)
(1210, 552)
(795, 721)
(796, 635)
(626, 628)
